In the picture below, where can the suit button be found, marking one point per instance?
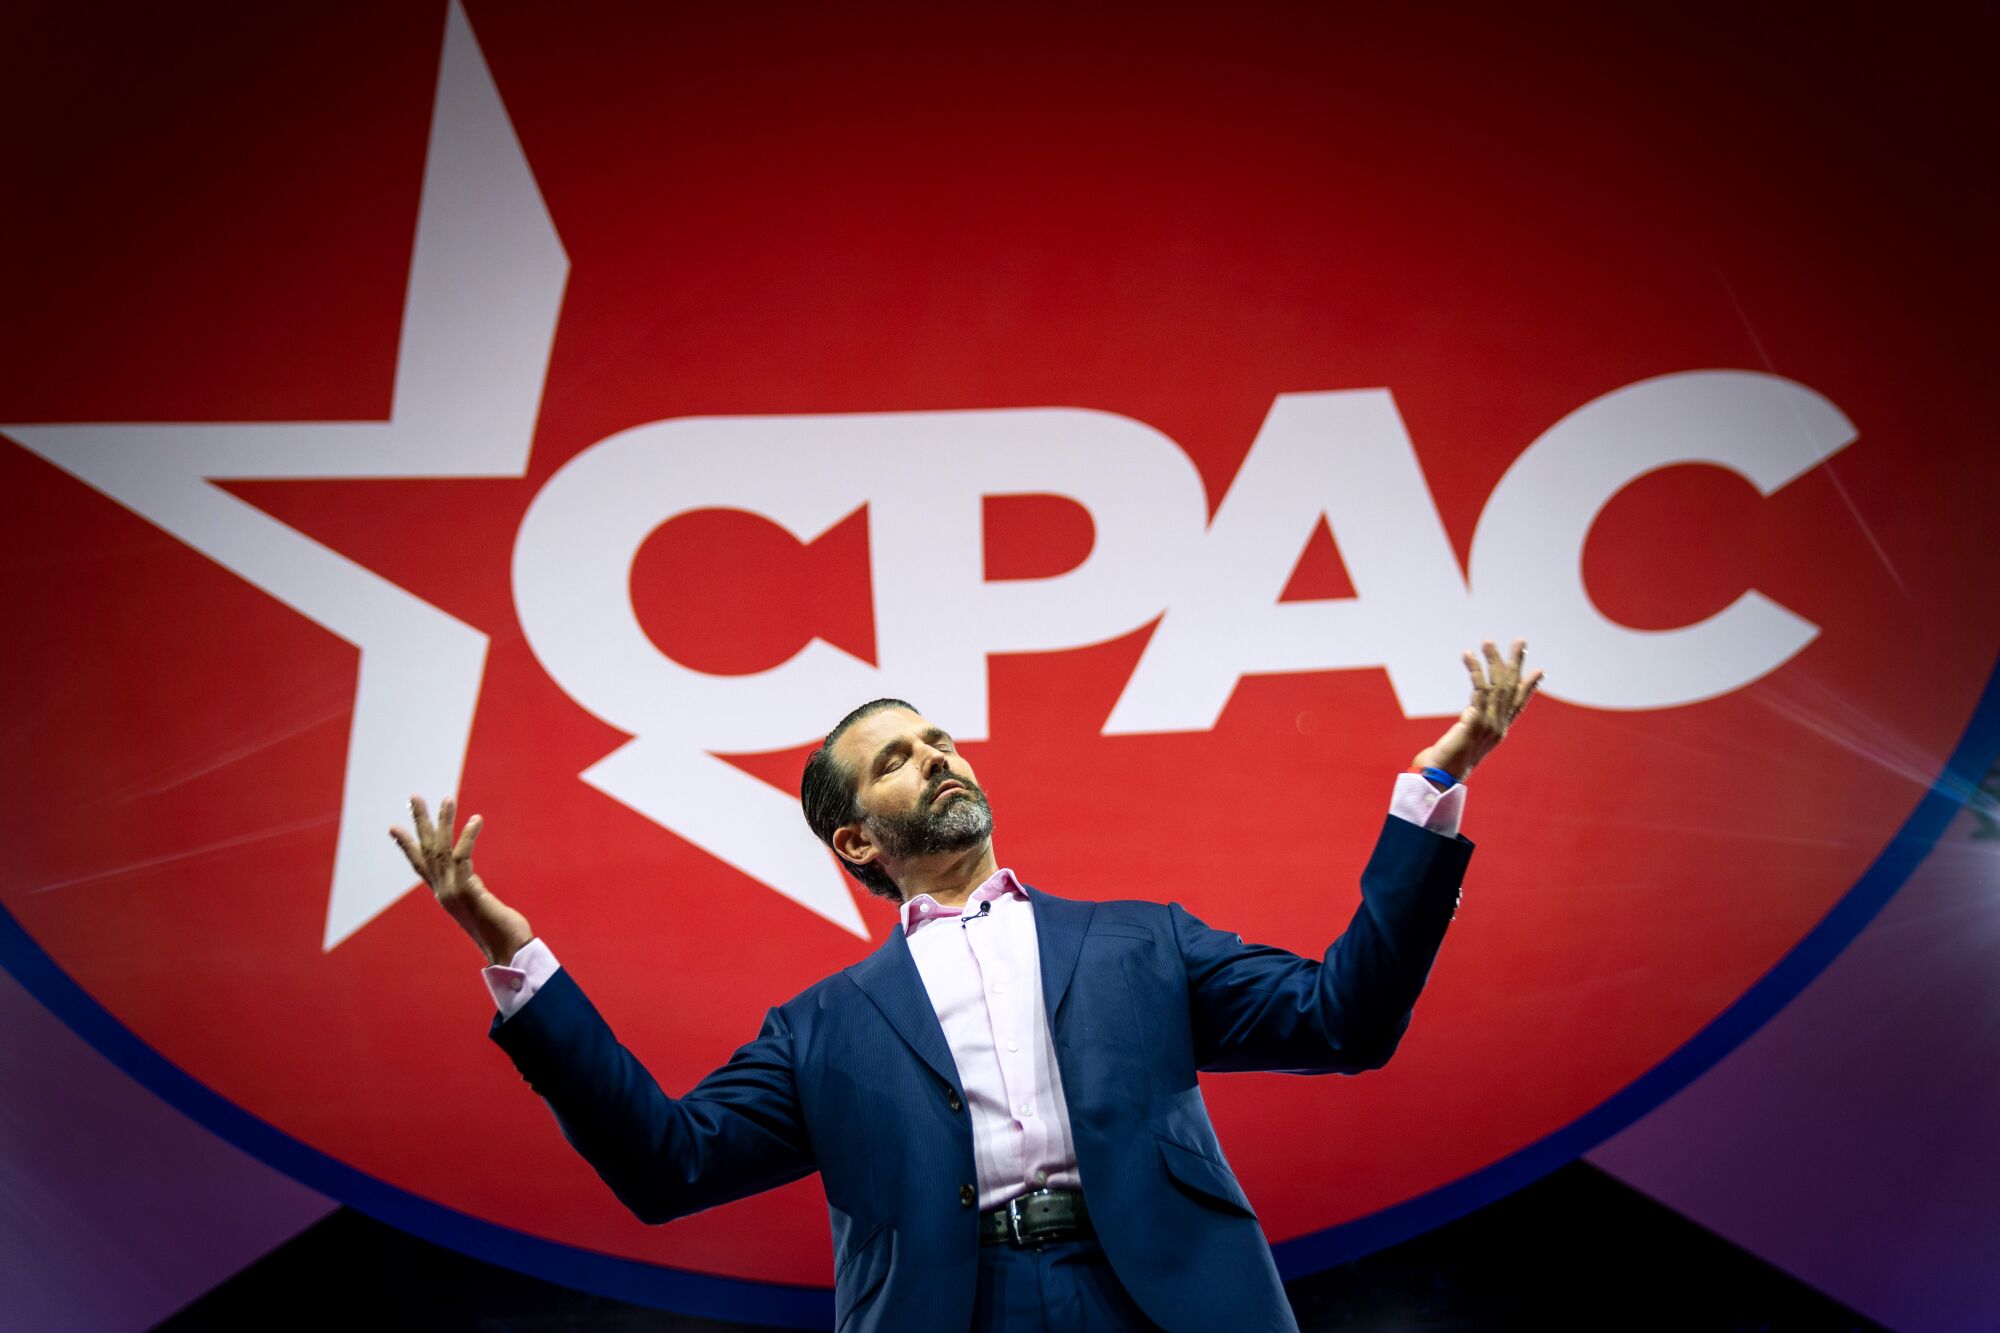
(966, 1194)
(952, 1100)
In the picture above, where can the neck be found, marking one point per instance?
(948, 877)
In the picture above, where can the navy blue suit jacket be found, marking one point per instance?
(853, 1079)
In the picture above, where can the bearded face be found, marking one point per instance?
(951, 815)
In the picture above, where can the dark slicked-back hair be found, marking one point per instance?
(826, 792)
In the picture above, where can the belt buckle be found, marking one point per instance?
(1014, 1220)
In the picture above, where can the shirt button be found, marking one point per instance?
(966, 1195)
(953, 1101)
(1041, 1177)
(1013, 1045)
(1027, 1109)
(515, 982)
(925, 908)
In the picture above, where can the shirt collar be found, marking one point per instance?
(916, 911)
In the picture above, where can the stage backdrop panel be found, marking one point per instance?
(580, 410)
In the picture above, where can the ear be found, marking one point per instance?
(852, 843)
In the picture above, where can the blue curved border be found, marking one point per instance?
(628, 1280)
(787, 1306)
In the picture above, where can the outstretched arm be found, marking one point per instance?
(740, 1130)
(736, 1132)
(1258, 1007)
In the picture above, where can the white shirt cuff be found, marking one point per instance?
(1416, 800)
(515, 984)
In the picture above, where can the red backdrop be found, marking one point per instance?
(1169, 217)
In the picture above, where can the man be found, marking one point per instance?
(1001, 1100)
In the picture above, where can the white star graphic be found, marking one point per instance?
(486, 280)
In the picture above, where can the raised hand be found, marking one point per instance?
(446, 866)
(1499, 692)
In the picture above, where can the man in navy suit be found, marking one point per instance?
(1001, 1100)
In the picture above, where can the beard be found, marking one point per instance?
(961, 821)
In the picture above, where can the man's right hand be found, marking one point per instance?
(496, 928)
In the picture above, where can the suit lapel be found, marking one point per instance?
(889, 978)
(1059, 927)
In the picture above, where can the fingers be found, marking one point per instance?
(420, 815)
(1528, 688)
(463, 852)
(409, 846)
(439, 852)
(1506, 672)
(1511, 689)
(431, 853)
(1500, 689)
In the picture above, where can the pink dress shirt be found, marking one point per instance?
(981, 966)
(983, 971)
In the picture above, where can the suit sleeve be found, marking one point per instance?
(1257, 1007)
(740, 1130)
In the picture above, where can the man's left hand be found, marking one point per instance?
(1499, 692)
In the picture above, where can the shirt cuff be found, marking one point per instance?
(1416, 800)
(527, 972)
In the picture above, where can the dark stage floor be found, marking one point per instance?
(1576, 1250)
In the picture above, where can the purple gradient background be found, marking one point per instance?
(1848, 1142)
(116, 1210)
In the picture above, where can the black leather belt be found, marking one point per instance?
(1036, 1218)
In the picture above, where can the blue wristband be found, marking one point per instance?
(1438, 775)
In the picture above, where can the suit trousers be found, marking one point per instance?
(1065, 1287)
